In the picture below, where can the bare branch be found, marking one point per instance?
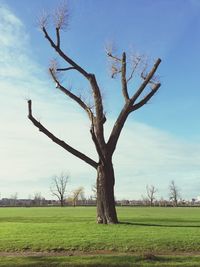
(53, 65)
(114, 71)
(154, 80)
(129, 107)
(61, 143)
(48, 37)
(109, 52)
(95, 88)
(64, 56)
(98, 103)
(115, 64)
(113, 57)
(123, 78)
(146, 81)
(114, 136)
(136, 62)
(65, 69)
(58, 37)
(71, 95)
(115, 61)
(146, 98)
(55, 194)
(61, 19)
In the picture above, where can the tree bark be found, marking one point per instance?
(61, 201)
(106, 212)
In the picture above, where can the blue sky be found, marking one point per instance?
(160, 142)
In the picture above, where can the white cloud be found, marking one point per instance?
(28, 159)
(11, 27)
(150, 156)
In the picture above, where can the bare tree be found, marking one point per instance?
(145, 201)
(94, 191)
(58, 188)
(38, 198)
(77, 194)
(106, 212)
(174, 193)
(151, 190)
(13, 199)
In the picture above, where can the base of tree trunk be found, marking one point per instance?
(106, 211)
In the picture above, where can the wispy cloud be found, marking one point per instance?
(150, 156)
(26, 155)
(28, 159)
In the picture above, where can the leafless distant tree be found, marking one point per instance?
(174, 193)
(38, 198)
(58, 188)
(13, 198)
(151, 191)
(121, 67)
(77, 194)
(162, 202)
(94, 191)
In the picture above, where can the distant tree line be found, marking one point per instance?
(77, 197)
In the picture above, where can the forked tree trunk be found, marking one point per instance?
(106, 212)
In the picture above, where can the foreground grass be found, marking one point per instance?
(142, 230)
(101, 261)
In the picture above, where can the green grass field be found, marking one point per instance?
(142, 232)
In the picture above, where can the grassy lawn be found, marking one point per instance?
(141, 231)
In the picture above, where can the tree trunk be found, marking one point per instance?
(61, 202)
(106, 212)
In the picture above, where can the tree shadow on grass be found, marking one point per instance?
(71, 261)
(104, 261)
(160, 225)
